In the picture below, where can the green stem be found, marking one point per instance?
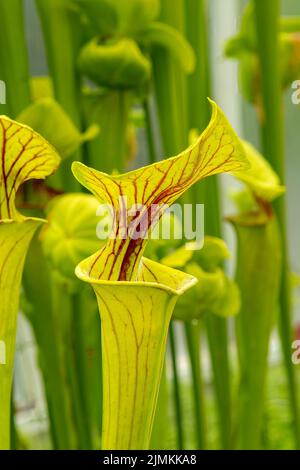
(217, 341)
(14, 70)
(79, 372)
(272, 129)
(171, 98)
(110, 110)
(193, 341)
(207, 192)
(88, 327)
(38, 288)
(176, 385)
(62, 35)
(199, 110)
(62, 38)
(170, 85)
(150, 133)
(70, 347)
(199, 81)
(62, 311)
(258, 276)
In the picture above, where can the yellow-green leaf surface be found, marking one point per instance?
(217, 150)
(41, 87)
(260, 177)
(115, 63)
(14, 240)
(178, 258)
(213, 253)
(135, 318)
(24, 155)
(70, 234)
(215, 292)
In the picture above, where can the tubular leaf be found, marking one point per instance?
(24, 155)
(161, 34)
(260, 177)
(217, 150)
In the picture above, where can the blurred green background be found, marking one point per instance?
(224, 23)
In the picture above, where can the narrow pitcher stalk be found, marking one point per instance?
(258, 276)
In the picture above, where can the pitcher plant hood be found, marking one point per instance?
(217, 150)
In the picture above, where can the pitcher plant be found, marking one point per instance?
(136, 296)
(25, 155)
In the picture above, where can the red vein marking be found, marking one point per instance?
(3, 168)
(151, 273)
(11, 251)
(19, 155)
(110, 316)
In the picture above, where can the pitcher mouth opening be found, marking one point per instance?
(151, 274)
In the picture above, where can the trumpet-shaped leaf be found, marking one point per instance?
(157, 186)
(136, 296)
(258, 277)
(135, 317)
(115, 63)
(24, 155)
(57, 128)
(260, 178)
